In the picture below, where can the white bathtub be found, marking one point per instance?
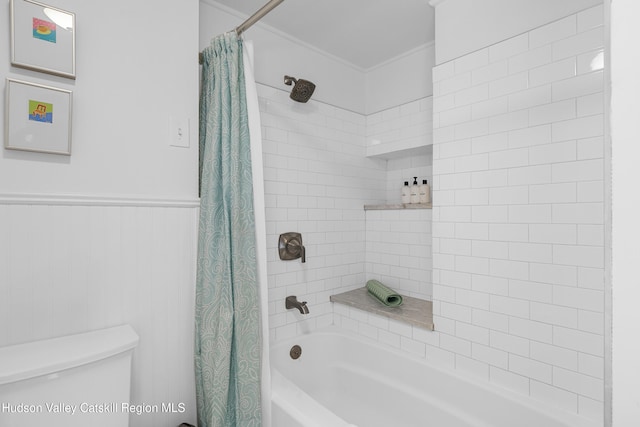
(344, 380)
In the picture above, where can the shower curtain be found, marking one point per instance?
(228, 327)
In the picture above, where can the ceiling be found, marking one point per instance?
(364, 33)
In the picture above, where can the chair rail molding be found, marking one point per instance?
(90, 200)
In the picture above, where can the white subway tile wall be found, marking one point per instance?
(317, 181)
(398, 250)
(518, 217)
(405, 127)
(404, 169)
(403, 135)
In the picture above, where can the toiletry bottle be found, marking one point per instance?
(415, 191)
(406, 193)
(425, 192)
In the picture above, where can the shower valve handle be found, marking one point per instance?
(297, 249)
(290, 247)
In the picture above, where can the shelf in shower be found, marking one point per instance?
(397, 206)
(414, 311)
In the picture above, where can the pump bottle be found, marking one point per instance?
(415, 191)
(406, 193)
(425, 192)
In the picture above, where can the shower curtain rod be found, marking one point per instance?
(252, 19)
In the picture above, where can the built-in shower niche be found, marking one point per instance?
(398, 254)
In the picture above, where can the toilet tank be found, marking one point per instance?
(72, 381)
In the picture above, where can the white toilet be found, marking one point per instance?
(72, 381)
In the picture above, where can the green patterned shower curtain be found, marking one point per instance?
(228, 339)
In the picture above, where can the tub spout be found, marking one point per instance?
(292, 302)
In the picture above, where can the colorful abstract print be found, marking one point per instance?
(40, 111)
(44, 30)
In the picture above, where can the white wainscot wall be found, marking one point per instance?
(69, 266)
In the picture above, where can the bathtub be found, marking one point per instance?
(343, 380)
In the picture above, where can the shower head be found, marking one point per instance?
(302, 89)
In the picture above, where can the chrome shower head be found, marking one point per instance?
(302, 89)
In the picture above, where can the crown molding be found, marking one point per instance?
(280, 33)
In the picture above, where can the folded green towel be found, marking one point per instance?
(385, 295)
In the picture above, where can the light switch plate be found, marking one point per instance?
(179, 132)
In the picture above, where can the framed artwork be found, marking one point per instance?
(43, 38)
(38, 118)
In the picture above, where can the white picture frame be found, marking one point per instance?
(43, 38)
(38, 118)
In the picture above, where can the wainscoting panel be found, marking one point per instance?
(70, 267)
